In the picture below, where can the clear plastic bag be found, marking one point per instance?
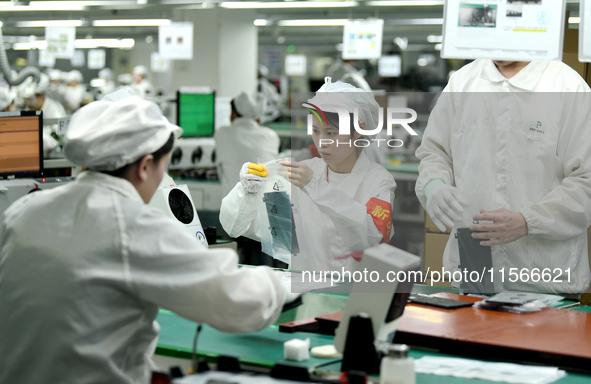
(274, 213)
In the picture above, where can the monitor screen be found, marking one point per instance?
(196, 114)
(21, 144)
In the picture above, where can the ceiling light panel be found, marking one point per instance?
(287, 4)
(131, 23)
(49, 23)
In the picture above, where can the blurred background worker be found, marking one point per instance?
(244, 140)
(85, 313)
(57, 88)
(7, 96)
(108, 85)
(125, 79)
(274, 100)
(141, 82)
(75, 91)
(36, 99)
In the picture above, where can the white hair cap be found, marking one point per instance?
(140, 70)
(74, 75)
(29, 88)
(106, 135)
(55, 74)
(7, 96)
(349, 97)
(251, 106)
(106, 73)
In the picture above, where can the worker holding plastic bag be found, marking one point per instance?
(341, 202)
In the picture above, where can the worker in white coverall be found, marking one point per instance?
(84, 268)
(244, 140)
(75, 92)
(342, 201)
(141, 82)
(36, 99)
(506, 153)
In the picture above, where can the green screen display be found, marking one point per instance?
(196, 114)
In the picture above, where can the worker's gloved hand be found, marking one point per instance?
(252, 177)
(445, 205)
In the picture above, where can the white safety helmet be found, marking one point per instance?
(7, 96)
(251, 106)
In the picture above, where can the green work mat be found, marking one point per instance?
(262, 348)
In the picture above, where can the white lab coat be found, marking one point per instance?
(330, 222)
(498, 158)
(243, 141)
(84, 269)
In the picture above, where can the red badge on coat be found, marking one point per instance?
(381, 213)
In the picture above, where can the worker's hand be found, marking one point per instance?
(252, 177)
(299, 174)
(507, 227)
(445, 205)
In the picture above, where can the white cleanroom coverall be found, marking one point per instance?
(243, 141)
(84, 269)
(526, 152)
(330, 221)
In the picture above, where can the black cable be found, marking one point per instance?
(194, 356)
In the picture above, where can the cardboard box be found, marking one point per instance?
(434, 247)
(431, 228)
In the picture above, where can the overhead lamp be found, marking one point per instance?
(287, 4)
(80, 44)
(262, 22)
(405, 3)
(96, 83)
(433, 21)
(312, 23)
(574, 20)
(131, 23)
(38, 44)
(58, 5)
(49, 23)
(434, 39)
(104, 43)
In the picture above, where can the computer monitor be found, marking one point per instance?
(383, 300)
(196, 114)
(21, 144)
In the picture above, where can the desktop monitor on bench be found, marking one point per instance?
(381, 301)
(196, 114)
(21, 144)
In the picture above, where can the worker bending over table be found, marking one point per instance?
(85, 267)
